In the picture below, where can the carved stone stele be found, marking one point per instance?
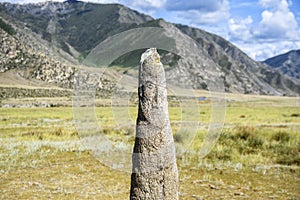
(154, 171)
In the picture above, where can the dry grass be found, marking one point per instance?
(41, 156)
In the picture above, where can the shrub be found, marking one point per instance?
(295, 115)
(225, 154)
(281, 136)
(225, 63)
(247, 140)
(287, 155)
(255, 142)
(227, 138)
(179, 138)
(58, 132)
(75, 133)
(108, 131)
(34, 134)
(7, 27)
(244, 132)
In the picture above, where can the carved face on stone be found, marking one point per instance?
(149, 90)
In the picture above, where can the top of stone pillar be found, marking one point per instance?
(150, 57)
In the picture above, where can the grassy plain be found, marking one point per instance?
(257, 155)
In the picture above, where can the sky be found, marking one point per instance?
(260, 28)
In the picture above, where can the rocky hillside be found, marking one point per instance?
(27, 61)
(75, 28)
(32, 64)
(288, 63)
(241, 73)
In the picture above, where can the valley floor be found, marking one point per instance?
(257, 155)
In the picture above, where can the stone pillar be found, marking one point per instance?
(154, 171)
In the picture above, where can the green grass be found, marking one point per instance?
(257, 153)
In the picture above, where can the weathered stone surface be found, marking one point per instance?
(154, 172)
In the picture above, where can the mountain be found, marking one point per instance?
(240, 70)
(69, 31)
(74, 26)
(288, 63)
(36, 68)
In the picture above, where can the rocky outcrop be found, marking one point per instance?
(10, 52)
(32, 64)
(16, 55)
(154, 170)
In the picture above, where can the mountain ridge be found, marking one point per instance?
(288, 63)
(64, 25)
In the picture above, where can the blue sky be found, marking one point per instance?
(261, 28)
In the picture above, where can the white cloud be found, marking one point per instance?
(185, 5)
(239, 28)
(204, 16)
(269, 3)
(276, 33)
(262, 51)
(278, 22)
(148, 4)
(187, 11)
(242, 5)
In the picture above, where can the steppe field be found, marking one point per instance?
(256, 157)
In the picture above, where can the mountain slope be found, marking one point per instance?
(75, 28)
(30, 69)
(288, 63)
(240, 70)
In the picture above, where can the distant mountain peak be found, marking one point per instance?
(288, 63)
